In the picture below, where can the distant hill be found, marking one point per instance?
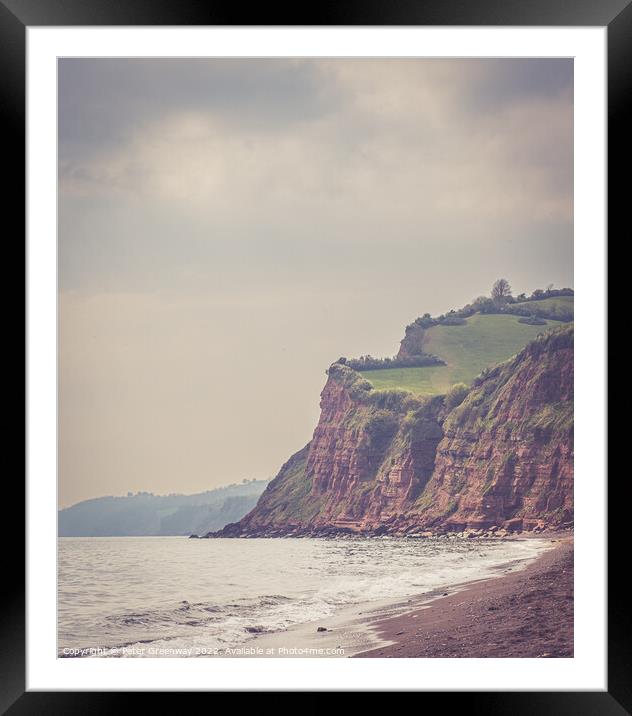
(145, 514)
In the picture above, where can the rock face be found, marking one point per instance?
(388, 461)
(412, 342)
(506, 458)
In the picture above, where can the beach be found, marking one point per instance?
(524, 614)
(520, 611)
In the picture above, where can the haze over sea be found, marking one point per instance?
(170, 596)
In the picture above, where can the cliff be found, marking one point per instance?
(412, 342)
(506, 456)
(389, 461)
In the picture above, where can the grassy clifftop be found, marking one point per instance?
(482, 340)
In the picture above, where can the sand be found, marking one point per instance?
(528, 613)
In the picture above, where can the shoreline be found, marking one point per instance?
(523, 614)
(377, 628)
(465, 614)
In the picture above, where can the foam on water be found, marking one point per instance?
(156, 596)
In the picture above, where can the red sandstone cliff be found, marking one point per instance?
(506, 458)
(389, 461)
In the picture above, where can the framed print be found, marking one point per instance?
(304, 410)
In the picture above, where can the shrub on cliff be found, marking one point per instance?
(557, 338)
(530, 309)
(553, 417)
(417, 426)
(550, 292)
(425, 321)
(380, 427)
(364, 363)
(456, 395)
(485, 305)
(453, 320)
(396, 400)
(360, 390)
(358, 387)
(532, 321)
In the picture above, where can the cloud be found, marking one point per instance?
(229, 227)
(382, 152)
(291, 134)
(103, 102)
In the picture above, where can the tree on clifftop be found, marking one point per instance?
(501, 291)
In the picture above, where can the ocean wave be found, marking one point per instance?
(318, 580)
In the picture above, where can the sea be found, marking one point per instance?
(179, 597)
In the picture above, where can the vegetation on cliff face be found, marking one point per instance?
(364, 392)
(287, 500)
(507, 454)
(369, 363)
(456, 395)
(489, 390)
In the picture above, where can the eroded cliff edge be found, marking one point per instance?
(391, 462)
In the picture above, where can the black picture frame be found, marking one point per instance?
(17, 15)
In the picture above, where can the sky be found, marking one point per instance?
(228, 228)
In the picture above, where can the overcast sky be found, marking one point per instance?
(228, 228)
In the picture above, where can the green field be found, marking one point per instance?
(483, 341)
(565, 302)
(427, 380)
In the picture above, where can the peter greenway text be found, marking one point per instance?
(149, 651)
